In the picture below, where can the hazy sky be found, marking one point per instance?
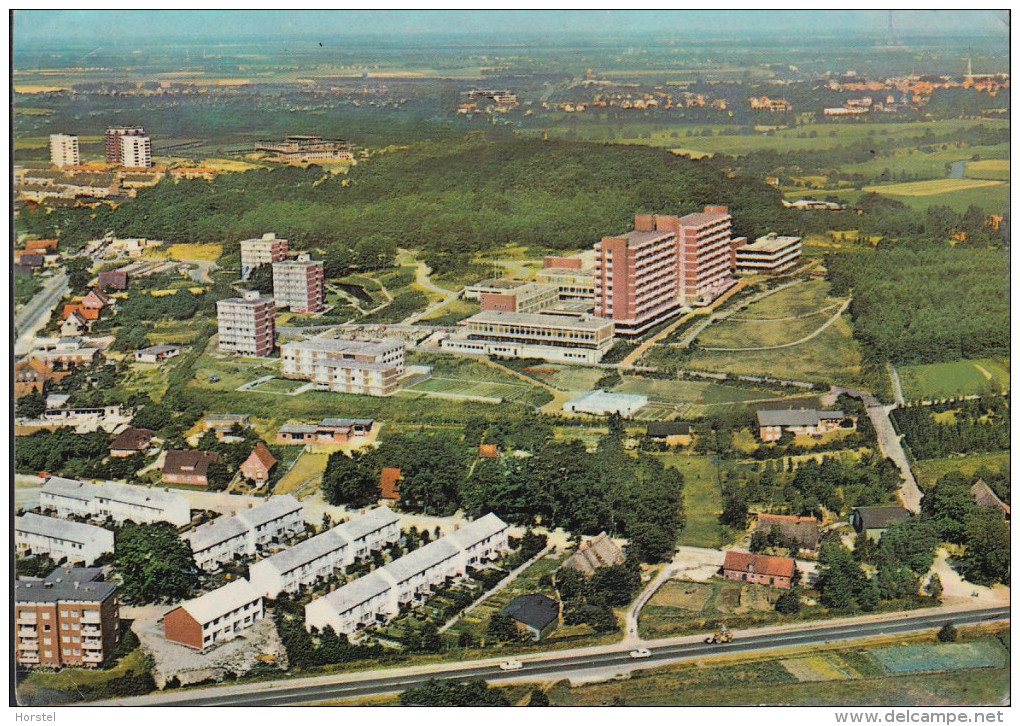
(183, 25)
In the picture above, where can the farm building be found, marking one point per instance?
(595, 552)
(674, 433)
(873, 521)
(758, 569)
(985, 497)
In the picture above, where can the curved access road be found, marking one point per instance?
(563, 664)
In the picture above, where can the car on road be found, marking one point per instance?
(641, 653)
(511, 665)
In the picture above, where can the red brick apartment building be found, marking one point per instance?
(71, 617)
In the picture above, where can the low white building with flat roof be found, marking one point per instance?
(378, 596)
(555, 338)
(770, 254)
(60, 539)
(322, 555)
(600, 403)
(366, 367)
(119, 502)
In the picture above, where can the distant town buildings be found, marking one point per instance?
(263, 250)
(304, 149)
(298, 284)
(770, 254)
(215, 617)
(61, 539)
(559, 338)
(71, 618)
(64, 150)
(367, 367)
(381, 594)
(247, 325)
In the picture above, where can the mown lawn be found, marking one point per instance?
(958, 378)
(702, 500)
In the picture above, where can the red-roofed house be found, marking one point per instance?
(759, 569)
(259, 463)
(95, 300)
(389, 484)
(88, 314)
(488, 451)
(41, 245)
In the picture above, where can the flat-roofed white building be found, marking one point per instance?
(227, 538)
(119, 502)
(378, 596)
(320, 556)
(556, 338)
(600, 403)
(263, 250)
(215, 617)
(366, 367)
(64, 150)
(769, 255)
(59, 538)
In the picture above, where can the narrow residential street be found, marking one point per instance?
(891, 448)
(35, 314)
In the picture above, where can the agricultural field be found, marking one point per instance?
(920, 164)
(835, 677)
(930, 657)
(208, 252)
(960, 378)
(997, 169)
(697, 392)
(929, 471)
(932, 187)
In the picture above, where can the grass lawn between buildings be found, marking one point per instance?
(702, 500)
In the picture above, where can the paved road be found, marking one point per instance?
(891, 447)
(35, 314)
(558, 665)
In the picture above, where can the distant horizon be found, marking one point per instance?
(50, 28)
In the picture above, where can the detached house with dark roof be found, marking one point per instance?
(130, 441)
(873, 521)
(188, 467)
(772, 423)
(536, 615)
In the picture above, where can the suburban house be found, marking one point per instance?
(985, 497)
(119, 502)
(329, 431)
(380, 595)
(71, 617)
(259, 463)
(130, 441)
(30, 376)
(535, 615)
(772, 423)
(61, 539)
(157, 353)
(322, 555)
(95, 300)
(595, 552)
(802, 530)
(88, 314)
(389, 484)
(758, 569)
(188, 467)
(74, 324)
(41, 246)
(674, 433)
(112, 280)
(873, 521)
(215, 617)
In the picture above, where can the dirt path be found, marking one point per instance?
(805, 339)
(422, 279)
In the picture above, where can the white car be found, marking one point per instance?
(511, 665)
(641, 653)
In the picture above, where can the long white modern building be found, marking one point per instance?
(119, 502)
(368, 367)
(556, 338)
(324, 554)
(226, 538)
(379, 595)
(61, 539)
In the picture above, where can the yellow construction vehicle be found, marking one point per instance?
(722, 635)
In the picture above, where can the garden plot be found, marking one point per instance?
(826, 667)
(942, 657)
(691, 596)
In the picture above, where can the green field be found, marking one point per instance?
(702, 501)
(959, 378)
(760, 333)
(931, 187)
(573, 379)
(993, 199)
(470, 388)
(663, 391)
(917, 163)
(988, 169)
(804, 298)
(926, 658)
(929, 471)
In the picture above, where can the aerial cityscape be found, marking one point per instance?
(511, 358)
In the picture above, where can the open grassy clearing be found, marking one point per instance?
(836, 677)
(702, 500)
(574, 379)
(279, 385)
(987, 169)
(468, 387)
(759, 333)
(305, 476)
(832, 356)
(959, 378)
(932, 187)
(928, 471)
(699, 392)
(209, 252)
(801, 299)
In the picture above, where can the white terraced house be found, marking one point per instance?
(120, 502)
(227, 538)
(58, 538)
(215, 617)
(322, 555)
(378, 596)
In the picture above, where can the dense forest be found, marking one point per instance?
(455, 198)
(926, 304)
(973, 426)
